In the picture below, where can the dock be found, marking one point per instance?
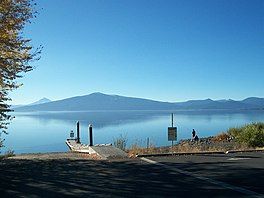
(104, 151)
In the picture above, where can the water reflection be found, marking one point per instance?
(106, 118)
(98, 118)
(47, 131)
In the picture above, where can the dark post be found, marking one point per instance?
(147, 143)
(172, 126)
(172, 119)
(91, 134)
(78, 132)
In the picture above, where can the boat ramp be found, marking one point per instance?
(104, 151)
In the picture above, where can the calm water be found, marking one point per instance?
(47, 131)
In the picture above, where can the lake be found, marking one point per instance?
(33, 132)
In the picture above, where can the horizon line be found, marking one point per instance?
(138, 98)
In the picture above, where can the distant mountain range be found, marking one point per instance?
(41, 101)
(100, 101)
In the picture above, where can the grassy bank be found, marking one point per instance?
(250, 136)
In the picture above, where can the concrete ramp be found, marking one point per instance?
(108, 152)
(77, 147)
(105, 151)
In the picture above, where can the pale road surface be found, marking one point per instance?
(231, 175)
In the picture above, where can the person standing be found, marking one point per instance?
(193, 134)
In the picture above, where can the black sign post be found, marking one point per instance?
(172, 132)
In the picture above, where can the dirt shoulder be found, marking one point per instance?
(55, 156)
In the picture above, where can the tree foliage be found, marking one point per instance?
(16, 53)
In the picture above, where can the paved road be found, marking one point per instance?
(184, 176)
(241, 172)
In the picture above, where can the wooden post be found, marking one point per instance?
(91, 134)
(78, 132)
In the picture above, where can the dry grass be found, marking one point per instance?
(137, 149)
(212, 144)
(221, 137)
(220, 143)
(214, 147)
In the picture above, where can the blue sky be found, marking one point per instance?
(163, 50)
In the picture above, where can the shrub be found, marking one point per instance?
(250, 134)
(9, 153)
(234, 132)
(120, 142)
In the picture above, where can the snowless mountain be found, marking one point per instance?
(41, 101)
(100, 101)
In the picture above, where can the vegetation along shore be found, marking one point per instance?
(247, 137)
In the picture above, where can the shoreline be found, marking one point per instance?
(80, 156)
(192, 148)
(213, 144)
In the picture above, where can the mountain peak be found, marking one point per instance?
(41, 101)
(254, 101)
(45, 99)
(97, 94)
(208, 99)
(101, 101)
(253, 98)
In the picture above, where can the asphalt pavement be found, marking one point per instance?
(242, 173)
(231, 175)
